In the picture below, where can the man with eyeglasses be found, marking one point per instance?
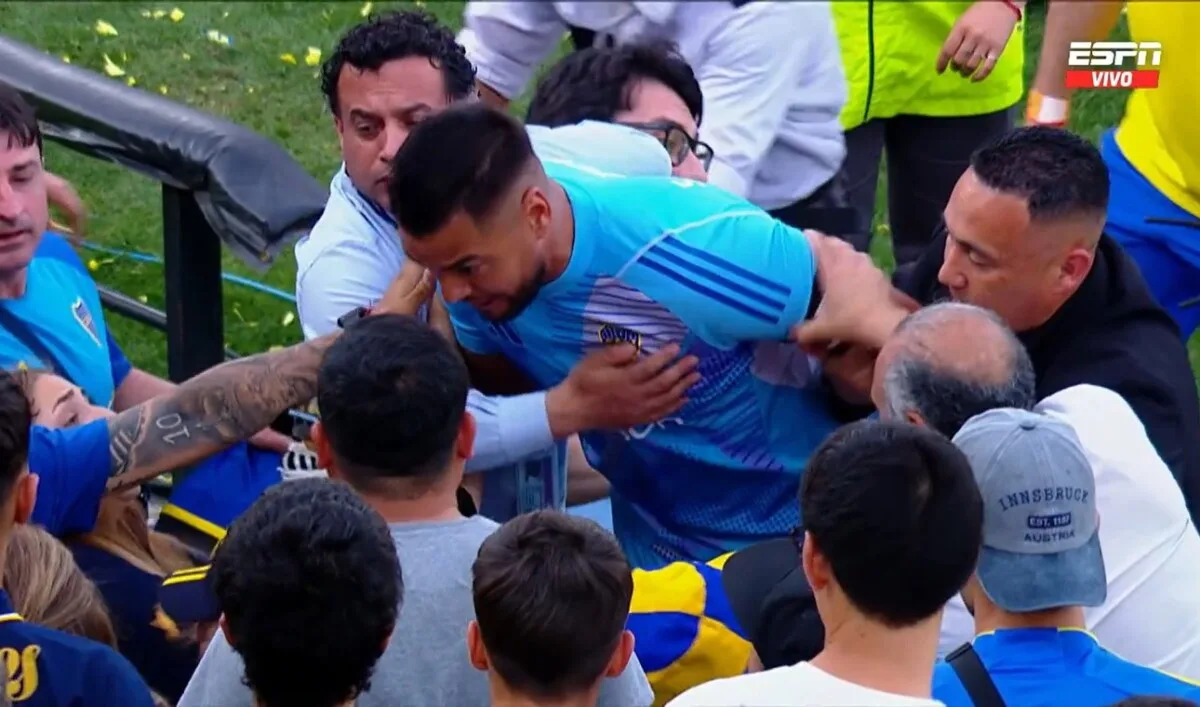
(649, 88)
(770, 73)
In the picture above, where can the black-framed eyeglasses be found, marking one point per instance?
(676, 141)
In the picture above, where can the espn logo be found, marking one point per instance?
(1114, 56)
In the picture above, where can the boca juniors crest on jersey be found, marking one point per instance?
(84, 317)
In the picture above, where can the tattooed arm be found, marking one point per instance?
(215, 409)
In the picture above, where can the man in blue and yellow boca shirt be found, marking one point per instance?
(44, 667)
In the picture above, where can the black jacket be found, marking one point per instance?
(1112, 334)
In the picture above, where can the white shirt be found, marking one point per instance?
(1151, 549)
(770, 72)
(801, 685)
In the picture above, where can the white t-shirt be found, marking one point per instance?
(1151, 549)
(800, 685)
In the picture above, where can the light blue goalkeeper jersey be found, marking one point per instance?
(662, 260)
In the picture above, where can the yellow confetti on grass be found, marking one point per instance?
(111, 68)
(288, 58)
(366, 9)
(66, 59)
(218, 37)
(105, 29)
(312, 57)
(131, 81)
(143, 299)
(288, 318)
(162, 88)
(176, 15)
(185, 56)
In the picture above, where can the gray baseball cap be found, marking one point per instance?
(1041, 540)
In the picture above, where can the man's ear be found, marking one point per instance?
(26, 497)
(913, 417)
(1075, 268)
(321, 446)
(816, 569)
(464, 444)
(226, 632)
(620, 657)
(476, 653)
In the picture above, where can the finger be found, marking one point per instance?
(669, 377)
(674, 399)
(650, 366)
(963, 55)
(989, 63)
(977, 58)
(617, 354)
(423, 290)
(950, 47)
(814, 333)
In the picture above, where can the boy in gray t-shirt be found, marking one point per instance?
(426, 661)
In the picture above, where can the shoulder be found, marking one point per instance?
(73, 440)
(93, 663)
(347, 221)
(750, 688)
(605, 147)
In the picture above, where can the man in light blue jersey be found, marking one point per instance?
(385, 76)
(544, 263)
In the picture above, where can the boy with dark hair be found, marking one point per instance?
(309, 585)
(552, 595)
(892, 530)
(395, 428)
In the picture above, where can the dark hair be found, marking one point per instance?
(466, 157)
(391, 395)
(895, 510)
(399, 35)
(15, 420)
(552, 596)
(1059, 173)
(596, 84)
(18, 119)
(946, 397)
(310, 585)
(1154, 701)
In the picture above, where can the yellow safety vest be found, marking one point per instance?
(890, 50)
(1160, 135)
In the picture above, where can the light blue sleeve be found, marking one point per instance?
(471, 330)
(507, 429)
(731, 273)
(344, 276)
(605, 147)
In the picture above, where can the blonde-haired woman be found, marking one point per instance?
(124, 558)
(48, 588)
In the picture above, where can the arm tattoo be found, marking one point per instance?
(218, 408)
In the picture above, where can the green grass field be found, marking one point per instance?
(248, 81)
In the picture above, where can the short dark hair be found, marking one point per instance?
(466, 157)
(399, 35)
(598, 83)
(391, 394)
(16, 418)
(552, 595)
(18, 119)
(1059, 173)
(309, 583)
(895, 510)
